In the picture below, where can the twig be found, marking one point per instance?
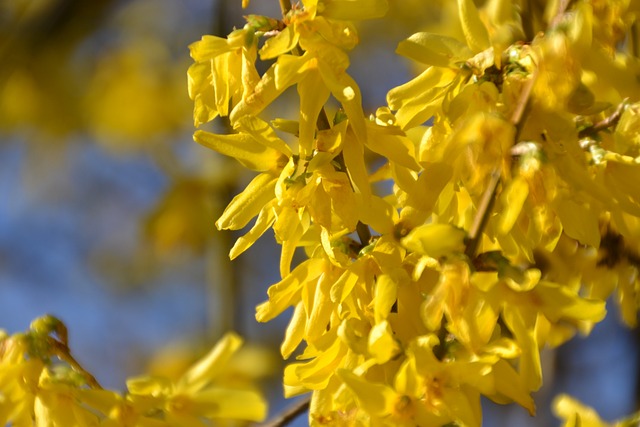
(285, 6)
(491, 192)
(62, 351)
(635, 51)
(605, 123)
(482, 216)
(562, 8)
(289, 414)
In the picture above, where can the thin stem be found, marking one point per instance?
(635, 49)
(323, 120)
(527, 19)
(364, 234)
(605, 123)
(289, 414)
(285, 6)
(64, 354)
(491, 192)
(482, 216)
(562, 8)
(518, 120)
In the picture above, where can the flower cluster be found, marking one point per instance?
(515, 210)
(42, 384)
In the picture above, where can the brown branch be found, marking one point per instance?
(605, 123)
(491, 192)
(562, 8)
(518, 120)
(289, 414)
(482, 216)
(635, 49)
(285, 6)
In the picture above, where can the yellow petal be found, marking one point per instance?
(434, 49)
(575, 414)
(386, 292)
(392, 143)
(419, 99)
(382, 345)
(230, 404)
(474, 30)
(579, 222)
(345, 90)
(345, 283)
(289, 69)
(248, 204)
(263, 133)
(202, 93)
(353, 153)
(313, 95)
(282, 43)
(295, 331)
(377, 399)
(425, 191)
(211, 365)
(508, 383)
(320, 313)
(282, 293)
(377, 213)
(262, 95)
(208, 47)
(265, 220)
(316, 374)
(513, 198)
(435, 240)
(242, 147)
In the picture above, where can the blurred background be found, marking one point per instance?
(107, 206)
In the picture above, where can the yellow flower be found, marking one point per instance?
(427, 391)
(59, 405)
(198, 393)
(18, 381)
(223, 73)
(575, 414)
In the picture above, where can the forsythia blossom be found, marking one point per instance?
(36, 391)
(413, 320)
(514, 212)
